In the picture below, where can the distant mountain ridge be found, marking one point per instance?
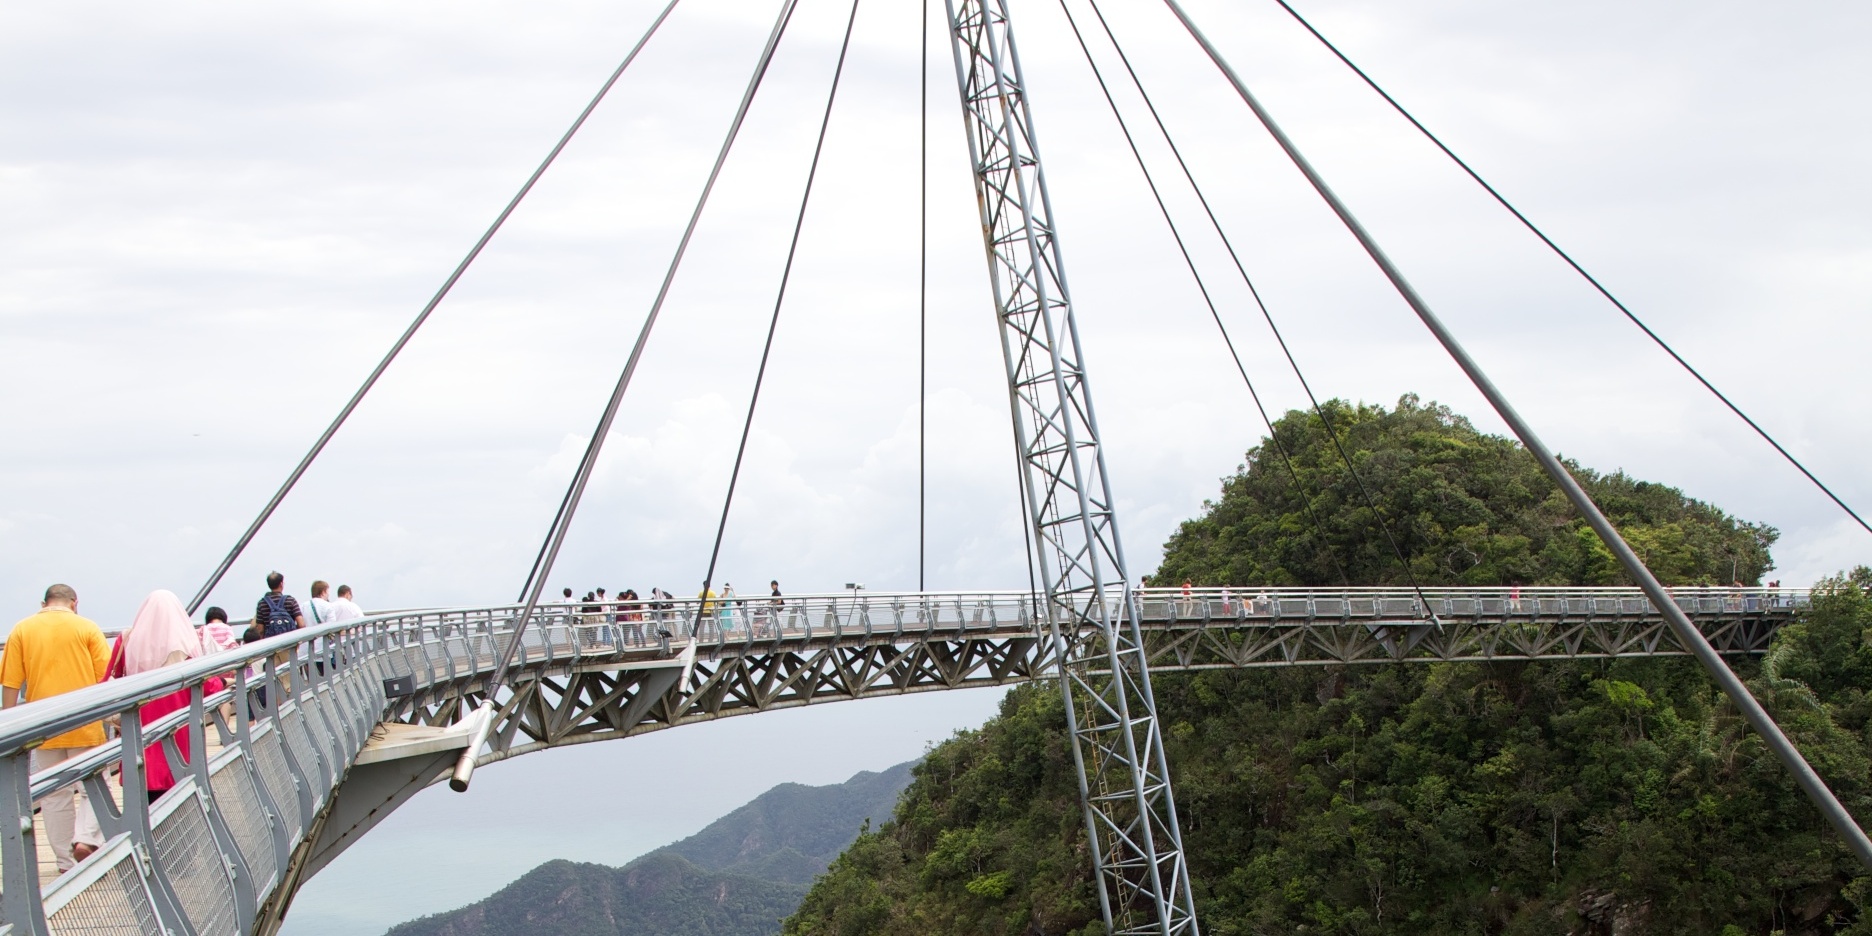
(739, 876)
(792, 832)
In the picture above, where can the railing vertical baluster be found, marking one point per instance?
(136, 820)
(19, 850)
(243, 733)
(246, 897)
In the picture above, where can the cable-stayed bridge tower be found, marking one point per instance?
(1117, 746)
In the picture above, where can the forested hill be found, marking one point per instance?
(1464, 507)
(1514, 798)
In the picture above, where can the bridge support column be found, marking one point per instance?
(1131, 819)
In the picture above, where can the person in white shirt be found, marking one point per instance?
(344, 609)
(323, 610)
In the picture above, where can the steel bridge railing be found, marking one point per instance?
(211, 850)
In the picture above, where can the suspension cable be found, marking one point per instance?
(1215, 223)
(923, 311)
(1203, 288)
(773, 323)
(556, 538)
(299, 470)
(539, 559)
(1568, 259)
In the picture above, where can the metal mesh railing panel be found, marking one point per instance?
(239, 803)
(116, 904)
(322, 725)
(293, 728)
(186, 852)
(271, 760)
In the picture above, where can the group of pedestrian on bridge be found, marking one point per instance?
(721, 616)
(55, 651)
(714, 615)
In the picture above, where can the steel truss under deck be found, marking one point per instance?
(1137, 847)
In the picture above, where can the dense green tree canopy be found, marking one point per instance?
(1465, 507)
(1590, 797)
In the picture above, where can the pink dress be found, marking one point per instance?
(155, 762)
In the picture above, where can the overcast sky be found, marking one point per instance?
(218, 216)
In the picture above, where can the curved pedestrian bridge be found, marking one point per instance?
(322, 733)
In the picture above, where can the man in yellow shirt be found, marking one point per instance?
(52, 653)
(705, 618)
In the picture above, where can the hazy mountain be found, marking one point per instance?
(792, 832)
(738, 877)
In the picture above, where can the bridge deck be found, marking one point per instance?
(268, 784)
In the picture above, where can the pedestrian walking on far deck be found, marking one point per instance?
(727, 608)
(660, 604)
(630, 617)
(51, 653)
(776, 605)
(705, 613)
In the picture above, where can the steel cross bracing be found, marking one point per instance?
(371, 716)
(838, 648)
(1130, 812)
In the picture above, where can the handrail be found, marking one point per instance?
(25, 726)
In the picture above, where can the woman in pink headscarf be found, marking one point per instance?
(161, 636)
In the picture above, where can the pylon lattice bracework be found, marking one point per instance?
(1130, 813)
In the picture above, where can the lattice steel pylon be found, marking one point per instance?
(1137, 846)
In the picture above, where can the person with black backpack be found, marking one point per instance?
(277, 613)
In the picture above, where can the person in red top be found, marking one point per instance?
(52, 653)
(161, 636)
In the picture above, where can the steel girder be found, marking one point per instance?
(1137, 846)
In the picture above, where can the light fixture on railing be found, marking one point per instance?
(855, 587)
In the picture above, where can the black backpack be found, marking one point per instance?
(279, 619)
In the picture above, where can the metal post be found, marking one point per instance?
(136, 820)
(19, 850)
(1686, 632)
(1124, 779)
(275, 812)
(246, 894)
